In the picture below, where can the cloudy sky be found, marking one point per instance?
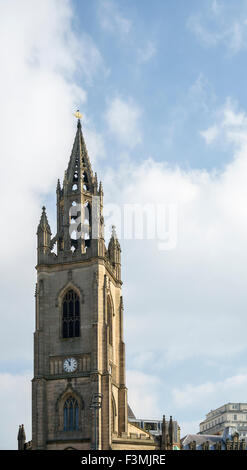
(162, 87)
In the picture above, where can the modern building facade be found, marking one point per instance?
(228, 415)
(79, 394)
(154, 426)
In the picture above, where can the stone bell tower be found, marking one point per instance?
(78, 340)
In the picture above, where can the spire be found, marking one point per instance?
(164, 437)
(76, 201)
(114, 239)
(79, 124)
(21, 437)
(95, 183)
(170, 431)
(44, 237)
(114, 252)
(79, 169)
(78, 115)
(44, 224)
(114, 233)
(58, 185)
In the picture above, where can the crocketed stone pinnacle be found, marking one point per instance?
(44, 224)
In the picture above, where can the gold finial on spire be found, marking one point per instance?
(78, 115)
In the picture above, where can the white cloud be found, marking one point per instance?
(215, 7)
(200, 95)
(95, 144)
(196, 293)
(38, 97)
(112, 20)
(231, 389)
(210, 134)
(40, 56)
(123, 119)
(209, 38)
(199, 99)
(15, 399)
(146, 53)
(143, 394)
(221, 24)
(231, 126)
(189, 427)
(232, 116)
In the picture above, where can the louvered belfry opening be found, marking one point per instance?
(71, 315)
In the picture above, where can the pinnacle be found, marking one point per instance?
(44, 224)
(114, 233)
(114, 238)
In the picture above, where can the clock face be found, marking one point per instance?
(70, 364)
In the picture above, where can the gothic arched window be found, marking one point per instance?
(71, 415)
(71, 315)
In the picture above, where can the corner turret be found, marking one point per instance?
(44, 237)
(114, 253)
(21, 437)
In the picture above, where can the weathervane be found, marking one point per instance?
(78, 115)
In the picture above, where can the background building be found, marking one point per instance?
(229, 440)
(154, 426)
(228, 415)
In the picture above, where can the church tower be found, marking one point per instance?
(79, 397)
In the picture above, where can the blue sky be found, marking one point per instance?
(162, 89)
(170, 73)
